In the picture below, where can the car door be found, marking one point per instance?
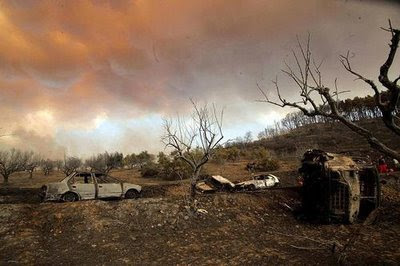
(108, 187)
(269, 181)
(259, 180)
(83, 184)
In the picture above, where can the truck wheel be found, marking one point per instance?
(132, 194)
(70, 197)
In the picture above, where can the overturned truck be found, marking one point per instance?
(336, 188)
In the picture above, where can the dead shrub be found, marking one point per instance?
(267, 164)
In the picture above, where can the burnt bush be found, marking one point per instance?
(267, 164)
(168, 167)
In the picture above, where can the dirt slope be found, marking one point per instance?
(333, 137)
(240, 228)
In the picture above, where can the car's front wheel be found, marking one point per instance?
(252, 188)
(132, 194)
(70, 197)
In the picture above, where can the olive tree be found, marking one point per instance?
(130, 160)
(58, 164)
(71, 164)
(319, 100)
(48, 165)
(144, 158)
(105, 162)
(34, 161)
(12, 161)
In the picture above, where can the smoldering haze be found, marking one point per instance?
(89, 76)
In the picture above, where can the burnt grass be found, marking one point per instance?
(237, 228)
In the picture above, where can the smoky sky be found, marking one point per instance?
(87, 76)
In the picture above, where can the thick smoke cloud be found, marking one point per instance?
(72, 72)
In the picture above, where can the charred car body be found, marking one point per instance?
(88, 185)
(261, 181)
(215, 183)
(336, 188)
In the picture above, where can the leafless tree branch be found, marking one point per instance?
(195, 139)
(306, 68)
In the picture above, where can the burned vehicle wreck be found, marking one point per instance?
(88, 185)
(261, 181)
(210, 184)
(338, 189)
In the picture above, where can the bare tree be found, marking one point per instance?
(48, 165)
(105, 162)
(195, 139)
(12, 161)
(58, 164)
(34, 161)
(71, 164)
(248, 138)
(320, 100)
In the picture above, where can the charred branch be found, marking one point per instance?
(387, 106)
(316, 99)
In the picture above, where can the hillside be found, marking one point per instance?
(252, 228)
(333, 137)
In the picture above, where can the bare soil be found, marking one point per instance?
(236, 228)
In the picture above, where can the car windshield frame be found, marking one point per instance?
(68, 177)
(114, 179)
(89, 176)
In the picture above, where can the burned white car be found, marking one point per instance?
(88, 185)
(259, 182)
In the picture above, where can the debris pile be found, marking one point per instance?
(214, 183)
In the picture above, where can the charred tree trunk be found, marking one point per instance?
(5, 179)
(195, 143)
(195, 179)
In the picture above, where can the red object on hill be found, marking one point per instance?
(382, 168)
